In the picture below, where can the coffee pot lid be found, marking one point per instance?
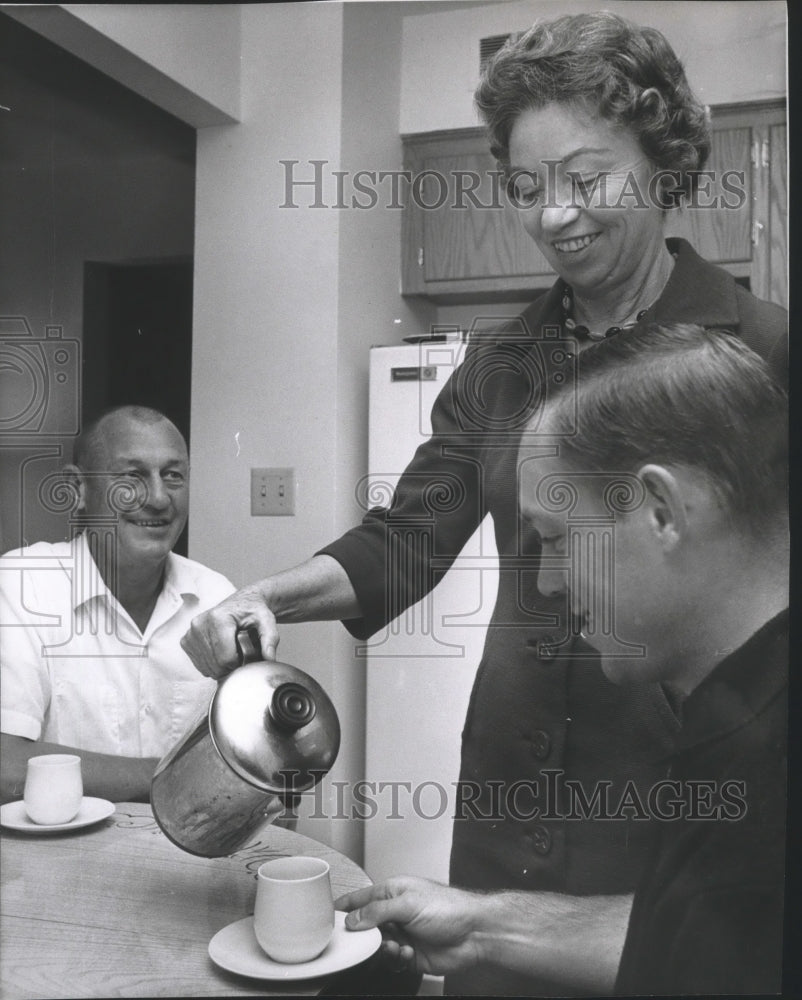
(273, 724)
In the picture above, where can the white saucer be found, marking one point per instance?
(236, 949)
(92, 810)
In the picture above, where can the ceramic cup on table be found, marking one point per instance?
(294, 915)
(53, 788)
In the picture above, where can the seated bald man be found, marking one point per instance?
(90, 659)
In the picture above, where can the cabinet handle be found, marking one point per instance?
(761, 153)
(756, 229)
(420, 256)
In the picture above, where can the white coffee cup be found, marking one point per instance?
(53, 788)
(294, 915)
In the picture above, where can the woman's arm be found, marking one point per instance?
(433, 510)
(316, 590)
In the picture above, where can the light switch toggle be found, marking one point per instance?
(272, 492)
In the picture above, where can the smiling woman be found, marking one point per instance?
(612, 254)
(595, 126)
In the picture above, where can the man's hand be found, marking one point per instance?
(431, 924)
(211, 640)
(573, 940)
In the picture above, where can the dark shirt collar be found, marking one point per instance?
(696, 292)
(739, 688)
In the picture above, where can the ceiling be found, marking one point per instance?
(52, 101)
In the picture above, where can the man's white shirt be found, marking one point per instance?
(76, 670)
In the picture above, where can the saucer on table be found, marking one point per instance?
(14, 816)
(235, 949)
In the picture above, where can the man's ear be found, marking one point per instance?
(665, 504)
(74, 479)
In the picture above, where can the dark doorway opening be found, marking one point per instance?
(137, 340)
(89, 171)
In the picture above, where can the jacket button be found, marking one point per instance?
(544, 648)
(541, 744)
(541, 839)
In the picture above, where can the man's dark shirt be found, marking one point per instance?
(708, 915)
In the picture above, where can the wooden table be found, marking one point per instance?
(118, 910)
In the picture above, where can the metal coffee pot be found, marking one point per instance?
(270, 731)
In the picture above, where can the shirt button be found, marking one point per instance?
(541, 744)
(545, 648)
(541, 839)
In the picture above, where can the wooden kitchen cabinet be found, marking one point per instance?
(464, 242)
(752, 241)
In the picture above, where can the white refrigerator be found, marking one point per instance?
(420, 669)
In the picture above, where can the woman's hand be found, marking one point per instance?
(433, 925)
(317, 590)
(211, 640)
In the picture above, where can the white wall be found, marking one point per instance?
(370, 311)
(266, 298)
(731, 51)
(287, 303)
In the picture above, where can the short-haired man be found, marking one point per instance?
(90, 658)
(658, 490)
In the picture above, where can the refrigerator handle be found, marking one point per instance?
(414, 373)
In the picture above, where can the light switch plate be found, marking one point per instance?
(272, 492)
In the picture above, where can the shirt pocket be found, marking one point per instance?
(86, 710)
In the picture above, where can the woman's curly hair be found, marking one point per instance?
(605, 65)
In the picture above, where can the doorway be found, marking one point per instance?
(137, 340)
(98, 202)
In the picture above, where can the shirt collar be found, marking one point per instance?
(696, 292)
(740, 687)
(180, 578)
(545, 309)
(87, 583)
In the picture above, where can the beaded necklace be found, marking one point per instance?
(581, 332)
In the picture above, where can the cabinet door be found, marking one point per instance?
(463, 240)
(777, 235)
(750, 240)
(475, 233)
(718, 220)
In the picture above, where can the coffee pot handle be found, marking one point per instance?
(248, 645)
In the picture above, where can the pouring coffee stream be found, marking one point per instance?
(270, 731)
